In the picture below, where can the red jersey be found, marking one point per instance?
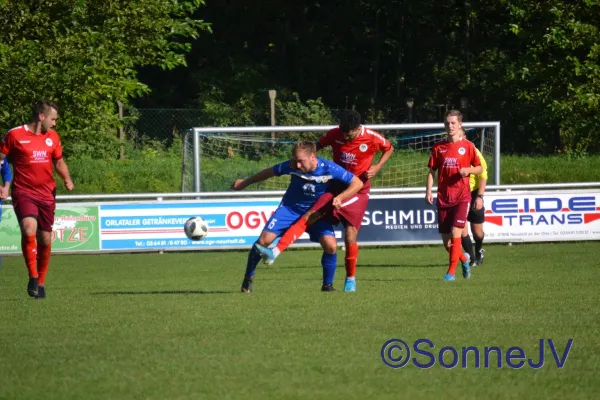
(448, 158)
(357, 155)
(32, 157)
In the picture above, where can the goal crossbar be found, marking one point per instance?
(198, 132)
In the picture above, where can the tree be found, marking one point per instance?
(84, 54)
(559, 69)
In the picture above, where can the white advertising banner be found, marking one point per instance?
(159, 225)
(518, 216)
(542, 216)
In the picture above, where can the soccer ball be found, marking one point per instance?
(195, 228)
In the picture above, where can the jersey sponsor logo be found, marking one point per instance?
(309, 189)
(39, 156)
(24, 141)
(348, 158)
(462, 151)
(363, 147)
(451, 162)
(49, 142)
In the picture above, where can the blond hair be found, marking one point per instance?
(305, 146)
(454, 113)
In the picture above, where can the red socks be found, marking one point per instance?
(292, 234)
(28, 247)
(351, 258)
(43, 261)
(455, 254)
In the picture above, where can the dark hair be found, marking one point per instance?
(43, 106)
(349, 120)
(307, 146)
(454, 113)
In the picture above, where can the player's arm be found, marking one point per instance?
(325, 140)
(241, 184)
(480, 193)
(471, 170)
(353, 188)
(6, 173)
(5, 146)
(429, 187)
(374, 169)
(63, 171)
(483, 177)
(432, 164)
(476, 167)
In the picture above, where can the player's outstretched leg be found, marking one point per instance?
(291, 235)
(266, 253)
(253, 259)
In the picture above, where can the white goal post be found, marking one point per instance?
(214, 156)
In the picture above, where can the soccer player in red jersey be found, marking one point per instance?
(33, 149)
(354, 148)
(455, 158)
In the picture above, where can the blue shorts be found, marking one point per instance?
(284, 217)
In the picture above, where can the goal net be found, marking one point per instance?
(222, 157)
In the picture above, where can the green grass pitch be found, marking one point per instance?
(174, 326)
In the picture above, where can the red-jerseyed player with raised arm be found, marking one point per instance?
(32, 149)
(455, 158)
(354, 148)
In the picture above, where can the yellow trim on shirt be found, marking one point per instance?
(474, 179)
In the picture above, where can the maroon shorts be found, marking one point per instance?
(351, 212)
(453, 216)
(41, 210)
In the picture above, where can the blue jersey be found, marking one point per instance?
(306, 187)
(6, 173)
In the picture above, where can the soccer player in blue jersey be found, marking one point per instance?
(310, 177)
(6, 174)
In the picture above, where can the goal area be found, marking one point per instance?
(214, 157)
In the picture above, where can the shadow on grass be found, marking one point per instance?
(359, 266)
(151, 292)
